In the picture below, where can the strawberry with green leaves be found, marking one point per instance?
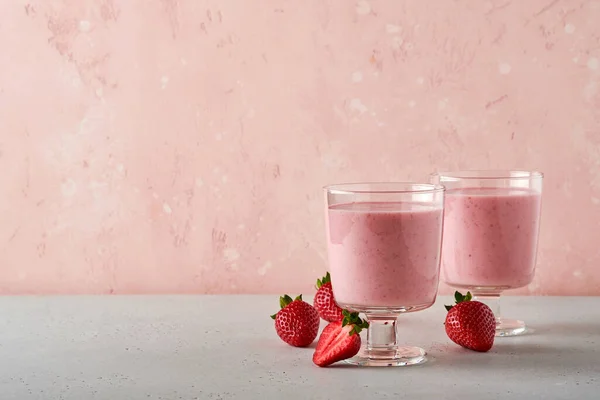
(470, 324)
(324, 301)
(297, 323)
(339, 340)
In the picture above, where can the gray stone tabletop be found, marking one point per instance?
(225, 347)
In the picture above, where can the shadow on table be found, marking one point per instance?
(524, 356)
(510, 356)
(562, 329)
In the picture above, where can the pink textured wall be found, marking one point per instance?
(180, 146)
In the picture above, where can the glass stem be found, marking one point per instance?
(381, 335)
(492, 300)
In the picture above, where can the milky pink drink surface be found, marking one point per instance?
(490, 237)
(384, 254)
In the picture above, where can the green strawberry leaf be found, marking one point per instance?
(354, 320)
(459, 298)
(323, 280)
(284, 301)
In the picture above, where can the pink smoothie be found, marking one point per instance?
(490, 237)
(384, 254)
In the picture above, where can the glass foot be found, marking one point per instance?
(504, 326)
(510, 327)
(397, 357)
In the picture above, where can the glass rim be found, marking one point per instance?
(491, 174)
(385, 188)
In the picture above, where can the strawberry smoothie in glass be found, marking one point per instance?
(491, 227)
(384, 243)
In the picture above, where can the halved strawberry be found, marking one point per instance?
(339, 340)
(324, 302)
(470, 324)
(297, 323)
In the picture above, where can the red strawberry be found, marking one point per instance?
(470, 324)
(325, 303)
(297, 323)
(339, 340)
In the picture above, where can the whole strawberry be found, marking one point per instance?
(325, 303)
(339, 340)
(297, 323)
(470, 324)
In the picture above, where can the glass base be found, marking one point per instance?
(397, 357)
(491, 297)
(510, 327)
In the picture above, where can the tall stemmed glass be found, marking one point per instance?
(384, 243)
(491, 227)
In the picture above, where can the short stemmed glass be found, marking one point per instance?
(384, 244)
(491, 227)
